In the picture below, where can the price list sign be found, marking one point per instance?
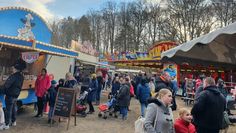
(64, 103)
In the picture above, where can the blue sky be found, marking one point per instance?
(54, 9)
(77, 8)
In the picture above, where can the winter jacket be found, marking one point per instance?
(93, 86)
(13, 85)
(143, 93)
(223, 90)
(115, 88)
(100, 82)
(123, 97)
(52, 93)
(160, 84)
(182, 126)
(42, 84)
(164, 121)
(208, 109)
(70, 83)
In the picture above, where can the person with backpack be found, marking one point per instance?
(143, 94)
(159, 116)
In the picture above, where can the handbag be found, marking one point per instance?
(139, 124)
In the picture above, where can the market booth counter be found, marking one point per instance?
(215, 52)
(24, 34)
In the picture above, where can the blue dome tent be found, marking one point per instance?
(23, 31)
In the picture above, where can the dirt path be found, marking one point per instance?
(91, 124)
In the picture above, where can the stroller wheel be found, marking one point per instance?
(83, 115)
(99, 114)
(105, 117)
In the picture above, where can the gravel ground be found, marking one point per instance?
(26, 123)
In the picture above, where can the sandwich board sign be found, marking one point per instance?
(65, 103)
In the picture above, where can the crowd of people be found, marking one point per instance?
(156, 95)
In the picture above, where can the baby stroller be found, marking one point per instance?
(81, 102)
(108, 108)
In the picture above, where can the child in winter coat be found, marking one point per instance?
(52, 99)
(183, 123)
(2, 117)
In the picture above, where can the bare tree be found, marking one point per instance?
(155, 15)
(109, 17)
(190, 19)
(84, 31)
(55, 40)
(139, 17)
(95, 19)
(225, 11)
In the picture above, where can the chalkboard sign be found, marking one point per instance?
(64, 102)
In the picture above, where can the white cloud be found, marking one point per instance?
(38, 6)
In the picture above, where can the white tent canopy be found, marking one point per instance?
(216, 47)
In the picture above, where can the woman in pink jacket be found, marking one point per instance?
(42, 84)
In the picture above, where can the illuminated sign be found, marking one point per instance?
(157, 49)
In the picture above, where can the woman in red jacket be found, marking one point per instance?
(42, 84)
(183, 123)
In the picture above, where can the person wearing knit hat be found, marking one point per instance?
(52, 93)
(20, 65)
(12, 88)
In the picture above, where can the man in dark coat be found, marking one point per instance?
(12, 88)
(208, 108)
(163, 81)
(99, 88)
(123, 97)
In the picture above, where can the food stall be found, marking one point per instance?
(24, 34)
(87, 62)
(148, 62)
(213, 53)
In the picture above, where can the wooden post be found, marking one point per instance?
(75, 106)
(68, 124)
